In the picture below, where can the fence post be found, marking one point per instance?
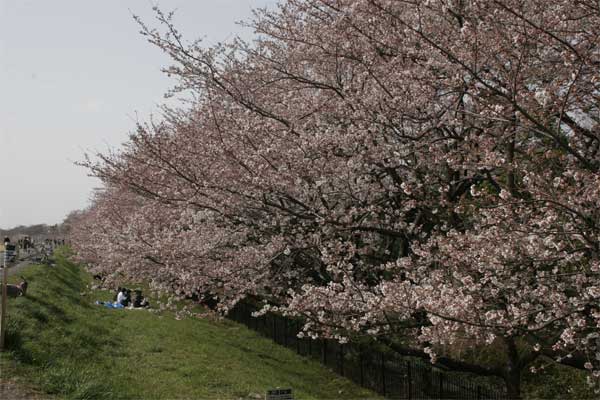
(479, 392)
(285, 332)
(441, 383)
(383, 373)
(297, 338)
(247, 318)
(274, 328)
(361, 362)
(429, 372)
(3, 319)
(324, 352)
(409, 378)
(341, 359)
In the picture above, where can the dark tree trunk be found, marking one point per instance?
(513, 384)
(512, 375)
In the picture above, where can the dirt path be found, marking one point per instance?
(18, 267)
(10, 390)
(15, 268)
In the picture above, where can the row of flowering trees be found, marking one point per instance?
(423, 172)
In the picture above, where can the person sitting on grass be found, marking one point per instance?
(124, 297)
(117, 293)
(140, 301)
(121, 300)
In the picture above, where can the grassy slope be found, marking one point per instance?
(66, 345)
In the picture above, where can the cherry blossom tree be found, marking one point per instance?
(424, 172)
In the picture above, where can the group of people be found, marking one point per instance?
(123, 299)
(25, 243)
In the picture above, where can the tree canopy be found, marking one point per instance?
(417, 169)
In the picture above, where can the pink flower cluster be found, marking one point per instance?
(424, 170)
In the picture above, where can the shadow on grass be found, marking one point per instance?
(14, 341)
(37, 306)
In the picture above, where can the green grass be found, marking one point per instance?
(556, 382)
(63, 344)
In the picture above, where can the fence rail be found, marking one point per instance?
(392, 376)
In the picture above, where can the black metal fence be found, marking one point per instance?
(390, 375)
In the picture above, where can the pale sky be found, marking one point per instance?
(74, 76)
